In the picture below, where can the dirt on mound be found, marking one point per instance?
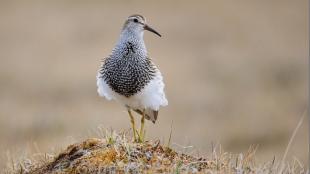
(99, 156)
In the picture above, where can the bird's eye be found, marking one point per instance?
(135, 20)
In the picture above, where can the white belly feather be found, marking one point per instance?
(152, 96)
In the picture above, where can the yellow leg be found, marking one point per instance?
(132, 120)
(141, 137)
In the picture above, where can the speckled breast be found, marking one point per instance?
(127, 75)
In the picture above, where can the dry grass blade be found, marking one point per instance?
(282, 165)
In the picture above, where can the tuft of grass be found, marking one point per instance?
(116, 153)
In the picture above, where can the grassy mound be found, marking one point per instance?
(115, 153)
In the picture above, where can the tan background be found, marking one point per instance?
(235, 72)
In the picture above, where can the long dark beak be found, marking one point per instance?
(146, 27)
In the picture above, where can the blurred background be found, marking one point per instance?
(236, 73)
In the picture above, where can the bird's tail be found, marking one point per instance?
(149, 114)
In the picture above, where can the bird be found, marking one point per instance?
(130, 77)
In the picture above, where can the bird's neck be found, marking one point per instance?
(134, 38)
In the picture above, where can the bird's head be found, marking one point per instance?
(137, 23)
